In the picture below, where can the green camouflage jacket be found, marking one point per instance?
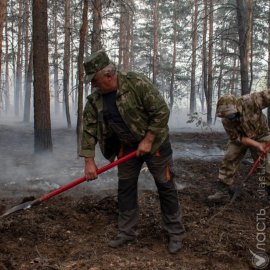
(253, 122)
(142, 108)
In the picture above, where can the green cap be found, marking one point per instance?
(95, 62)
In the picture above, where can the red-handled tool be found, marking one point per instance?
(29, 204)
(238, 190)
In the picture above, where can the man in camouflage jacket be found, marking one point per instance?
(246, 127)
(126, 112)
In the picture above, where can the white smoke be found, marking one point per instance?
(24, 171)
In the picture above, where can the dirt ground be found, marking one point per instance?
(72, 230)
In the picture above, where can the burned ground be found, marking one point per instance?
(72, 230)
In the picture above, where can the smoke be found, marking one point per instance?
(196, 151)
(22, 172)
(179, 122)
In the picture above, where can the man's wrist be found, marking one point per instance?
(89, 160)
(150, 137)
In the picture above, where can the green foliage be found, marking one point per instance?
(225, 38)
(198, 121)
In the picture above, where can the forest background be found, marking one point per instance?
(194, 51)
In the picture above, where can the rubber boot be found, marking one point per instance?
(174, 246)
(120, 241)
(222, 193)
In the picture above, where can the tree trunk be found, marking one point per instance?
(223, 49)
(204, 69)
(192, 106)
(3, 5)
(150, 69)
(122, 35)
(242, 46)
(86, 49)
(210, 66)
(29, 81)
(26, 25)
(127, 41)
(96, 33)
(97, 21)
(155, 42)
(174, 57)
(42, 119)
(81, 72)
(132, 57)
(201, 94)
(13, 60)
(72, 76)
(7, 95)
(67, 60)
(233, 91)
(249, 26)
(268, 71)
(18, 86)
(55, 65)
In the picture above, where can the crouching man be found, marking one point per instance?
(246, 127)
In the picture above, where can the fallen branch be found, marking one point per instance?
(219, 212)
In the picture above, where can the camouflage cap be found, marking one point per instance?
(95, 62)
(226, 105)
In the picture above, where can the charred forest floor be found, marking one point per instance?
(72, 230)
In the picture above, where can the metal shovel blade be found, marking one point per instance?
(236, 193)
(29, 204)
(22, 206)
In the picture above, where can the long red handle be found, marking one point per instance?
(238, 190)
(82, 179)
(258, 161)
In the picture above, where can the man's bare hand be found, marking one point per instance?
(90, 169)
(262, 147)
(145, 145)
(250, 142)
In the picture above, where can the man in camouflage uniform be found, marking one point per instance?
(246, 127)
(126, 112)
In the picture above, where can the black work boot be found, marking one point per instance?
(175, 246)
(120, 241)
(222, 193)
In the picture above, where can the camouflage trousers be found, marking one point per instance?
(233, 156)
